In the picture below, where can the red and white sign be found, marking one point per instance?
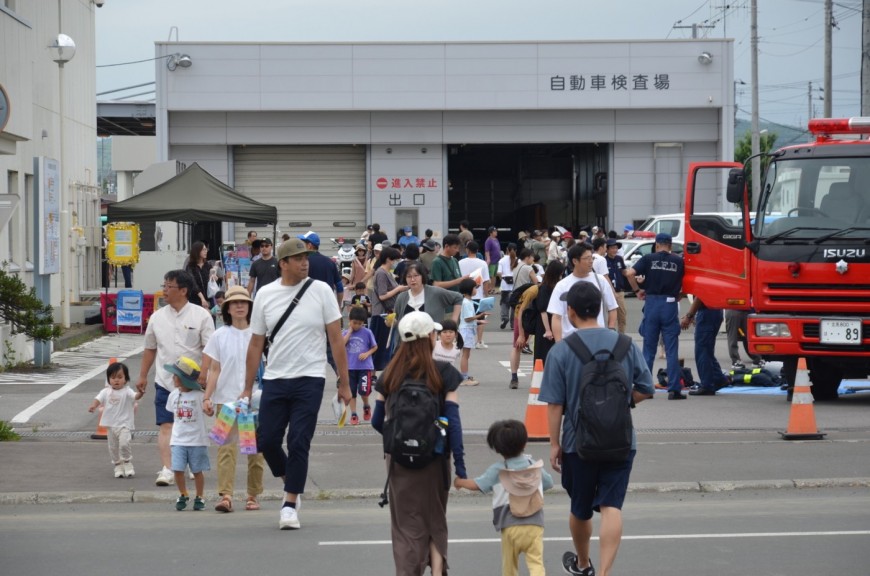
(405, 183)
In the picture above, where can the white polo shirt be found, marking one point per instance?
(174, 334)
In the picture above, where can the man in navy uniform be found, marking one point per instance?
(662, 273)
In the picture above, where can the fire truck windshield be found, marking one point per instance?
(802, 197)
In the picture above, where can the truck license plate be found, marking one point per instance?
(840, 331)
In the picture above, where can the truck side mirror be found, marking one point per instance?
(736, 185)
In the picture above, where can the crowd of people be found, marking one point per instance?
(406, 316)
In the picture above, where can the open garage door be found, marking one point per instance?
(526, 186)
(321, 188)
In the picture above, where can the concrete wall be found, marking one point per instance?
(32, 80)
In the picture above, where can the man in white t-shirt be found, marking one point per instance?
(599, 253)
(476, 268)
(581, 256)
(296, 370)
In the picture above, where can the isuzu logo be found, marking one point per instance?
(842, 267)
(845, 252)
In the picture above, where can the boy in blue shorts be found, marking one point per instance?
(189, 442)
(360, 344)
(592, 485)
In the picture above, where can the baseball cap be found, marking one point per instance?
(408, 230)
(187, 371)
(416, 325)
(266, 240)
(556, 234)
(628, 227)
(491, 229)
(613, 242)
(584, 298)
(567, 235)
(428, 245)
(522, 235)
(522, 487)
(584, 234)
(292, 247)
(377, 247)
(310, 236)
(662, 238)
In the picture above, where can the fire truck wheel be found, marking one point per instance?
(826, 380)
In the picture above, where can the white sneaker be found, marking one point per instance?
(481, 346)
(128, 470)
(165, 477)
(289, 519)
(469, 382)
(119, 470)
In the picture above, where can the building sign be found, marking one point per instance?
(406, 183)
(613, 82)
(404, 191)
(47, 182)
(123, 248)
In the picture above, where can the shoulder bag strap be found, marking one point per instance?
(290, 308)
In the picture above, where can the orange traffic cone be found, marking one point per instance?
(102, 433)
(536, 411)
(802, 419)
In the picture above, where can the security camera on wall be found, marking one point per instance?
(99, 3)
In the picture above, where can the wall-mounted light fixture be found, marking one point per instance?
(705, 58)
(176, 60)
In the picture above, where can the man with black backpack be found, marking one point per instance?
(592, 379)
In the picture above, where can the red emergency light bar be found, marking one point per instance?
(858, 125)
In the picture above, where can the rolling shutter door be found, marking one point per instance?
(323, 185)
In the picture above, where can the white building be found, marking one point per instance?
(519, 134)
(37, 128)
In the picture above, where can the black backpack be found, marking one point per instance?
(530, 318)
(603, 424)
(411, 431)
(517, 293)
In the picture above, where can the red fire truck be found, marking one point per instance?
(800, 261)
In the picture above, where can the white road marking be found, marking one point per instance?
(28, 413)
(637, 537)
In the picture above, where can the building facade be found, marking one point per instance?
(51, 115)
(516, 135)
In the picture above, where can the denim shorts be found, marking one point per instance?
(194, 456)
(592, 485)
(161, 395)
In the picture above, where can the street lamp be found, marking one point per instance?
(63, 49)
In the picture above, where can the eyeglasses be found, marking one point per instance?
(167, 286)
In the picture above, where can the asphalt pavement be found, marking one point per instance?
(705, 444)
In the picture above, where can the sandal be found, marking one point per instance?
(252, 503)
(225, 505)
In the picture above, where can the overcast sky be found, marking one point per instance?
(791, 34)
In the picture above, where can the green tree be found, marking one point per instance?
(24, 311)
(743, 150)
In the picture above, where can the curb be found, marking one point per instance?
(154, 496)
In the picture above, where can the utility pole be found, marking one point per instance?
(756, 148)
(865, 60)
(829, 24)
(695, 28)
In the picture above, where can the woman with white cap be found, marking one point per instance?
(225, 356)
(418, 497)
